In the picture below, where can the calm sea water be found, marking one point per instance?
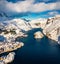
(44, 51)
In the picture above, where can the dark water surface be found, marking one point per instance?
(44, 51)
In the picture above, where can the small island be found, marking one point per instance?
(7, 59)
(38, 35)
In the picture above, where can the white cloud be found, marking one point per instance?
(19, 6)
(28, 6)
(39, 7)
(53, 13)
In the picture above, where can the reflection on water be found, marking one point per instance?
(44, 51)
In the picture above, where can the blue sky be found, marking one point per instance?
(30, 9)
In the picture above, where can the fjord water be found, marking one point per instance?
(44, 51)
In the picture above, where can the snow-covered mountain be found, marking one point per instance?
(18, 24)
(23, 25)
(52, 28)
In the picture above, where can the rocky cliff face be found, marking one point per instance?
(38, 23)
(51, 29)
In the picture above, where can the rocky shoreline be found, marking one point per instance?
(7, 59)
